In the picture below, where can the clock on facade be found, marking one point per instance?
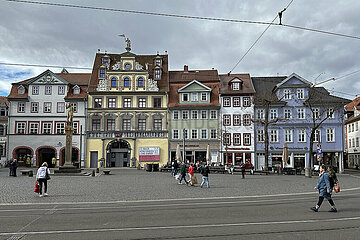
(127, 66)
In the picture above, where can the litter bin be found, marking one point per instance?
(155, 167)
(149, 167)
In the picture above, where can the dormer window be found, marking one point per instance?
(113, 82)
(21, 89)
(102, 72)
(157, 73)
(158, 62)
(76, 89)
(204, 96)
(106, 60)
(236, 86)
(287, 94)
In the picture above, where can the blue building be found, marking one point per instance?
(295, 105)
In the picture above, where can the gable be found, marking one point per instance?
(292, 80)
(47, 77)
(194, 86)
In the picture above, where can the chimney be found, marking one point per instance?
(186, 68)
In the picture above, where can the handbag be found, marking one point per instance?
(194, 180)
(37, 188)
(47, 176)
(337, 187)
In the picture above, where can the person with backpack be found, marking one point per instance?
(183, 174)
(42, 175)
(205, 176)
(175, 167)
(324, 189)
(332, 177)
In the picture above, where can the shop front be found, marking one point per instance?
(195, 151)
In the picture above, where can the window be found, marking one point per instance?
(316, 113)
(247, 119)
(194, 114)
(35, 90)
(157, 124)
(301, 135)
(204, 134)
(33, 128)
(287, 113)
(3, 112)
(236, 119)
(113, 82)
(96, 124)
(273, 113)
(356, 126)
(20, 127)
(213, 134)
(97, 102)
(330, 134)
(176, 115)
(60, 127)
(47, 90)
(247, 139)
(46, 127)
(185, 97)
(349, 128)
(140, 82)
(74, 105)
(357, 142)
(301, 113)
(352, 127)
(21, 107)
(288, 135)
(158, 62)
(213, 114)
(260, 113)
(185, 115)
(186, 133)
(34, 107)
(2, 130)
(194, 134)
(227, 139)
(260, 135)
(236, 86)
(157, 102)
(47, 107)
(126, 124)
(300, 93)
(246, 101)
(76, 90)
(127, 103)
(142, 102)
(127, 82)
(203, 114)
(157, 74)
(111, 102)
(110, 125)
(274, 135)
(61, 90)
(317, 136)
(330, 113)
(204, 96)
(349, 142)
(226, 102)
(76, 127)
(102, 73)
(287, 94)
(237, 139)
(236, 101)
(227, 120)
(175, 134)
(60, 107)
(194, 97)
(142, 124)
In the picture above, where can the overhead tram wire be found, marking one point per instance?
(258, 39)
(334, 79)
(183, 16)
(40, 65)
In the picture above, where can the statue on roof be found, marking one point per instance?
(128, 44)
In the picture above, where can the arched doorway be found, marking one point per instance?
(45, 154)
(118, 153)
(74, 158)
(21, 153)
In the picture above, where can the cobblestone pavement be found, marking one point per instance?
(132, 184)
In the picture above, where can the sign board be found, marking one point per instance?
(319, 151)
(149, 154)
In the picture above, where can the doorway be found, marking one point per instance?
(46, 155)
(118, 153)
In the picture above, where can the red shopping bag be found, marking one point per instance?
(37, 189)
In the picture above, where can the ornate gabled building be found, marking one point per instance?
(127, 110)
(352, 132)
(37, 116)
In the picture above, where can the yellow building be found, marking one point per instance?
(127, 110)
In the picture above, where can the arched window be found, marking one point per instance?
(113, 82)
(1, 150)
(2, 130)
(140, 82)
(126, 82)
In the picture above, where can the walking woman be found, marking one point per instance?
(324, 188)
(43, 174)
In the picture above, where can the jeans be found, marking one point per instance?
(321, 199)
(205, 179)
(174, 171)
(183, 177)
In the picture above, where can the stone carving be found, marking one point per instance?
(152, 85)
(138, 66)
(70, 115)
(116, 66)
(47, 79)
(102, 86)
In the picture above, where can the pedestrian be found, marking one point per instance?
(28, 161)
(357, 166)
(42, 176)
(13, 167)
(191, 174)
(183, 174)
(324, 189)
(205, 176)
(332, 177)
(252, 169)
(53, 161)
(242, 170)
(175, 168)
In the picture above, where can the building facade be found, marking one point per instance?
(127, 110)
(352, 124)
(194, 114)
(4, 106)
(37, 117)
(294, 104)
(237, 114)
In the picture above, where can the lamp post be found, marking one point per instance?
(184, 145)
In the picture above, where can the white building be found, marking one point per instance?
(237, 112)
(4, 105)
(352, 126)
(37, 117)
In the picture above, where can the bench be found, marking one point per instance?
(165, 169)
(27, 172)
(217, 170)
(106, 172)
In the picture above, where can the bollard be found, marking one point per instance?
(93, 173)
(31, 174)
(97, 170)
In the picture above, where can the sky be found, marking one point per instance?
(62, 36)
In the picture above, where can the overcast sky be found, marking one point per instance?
(49, 35)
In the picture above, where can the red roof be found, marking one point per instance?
(354, 104)
(247, 86)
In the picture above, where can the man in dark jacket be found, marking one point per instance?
(183, 174)
(243, 170)
(205, 176)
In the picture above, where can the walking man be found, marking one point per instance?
(205, 176)
(243, 170)
(183, 174)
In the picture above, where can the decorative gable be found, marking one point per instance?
(47, 77)
(293, 80)
(21, 89)
(194, 86)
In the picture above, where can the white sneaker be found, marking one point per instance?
(41, 195)
(45, 194)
